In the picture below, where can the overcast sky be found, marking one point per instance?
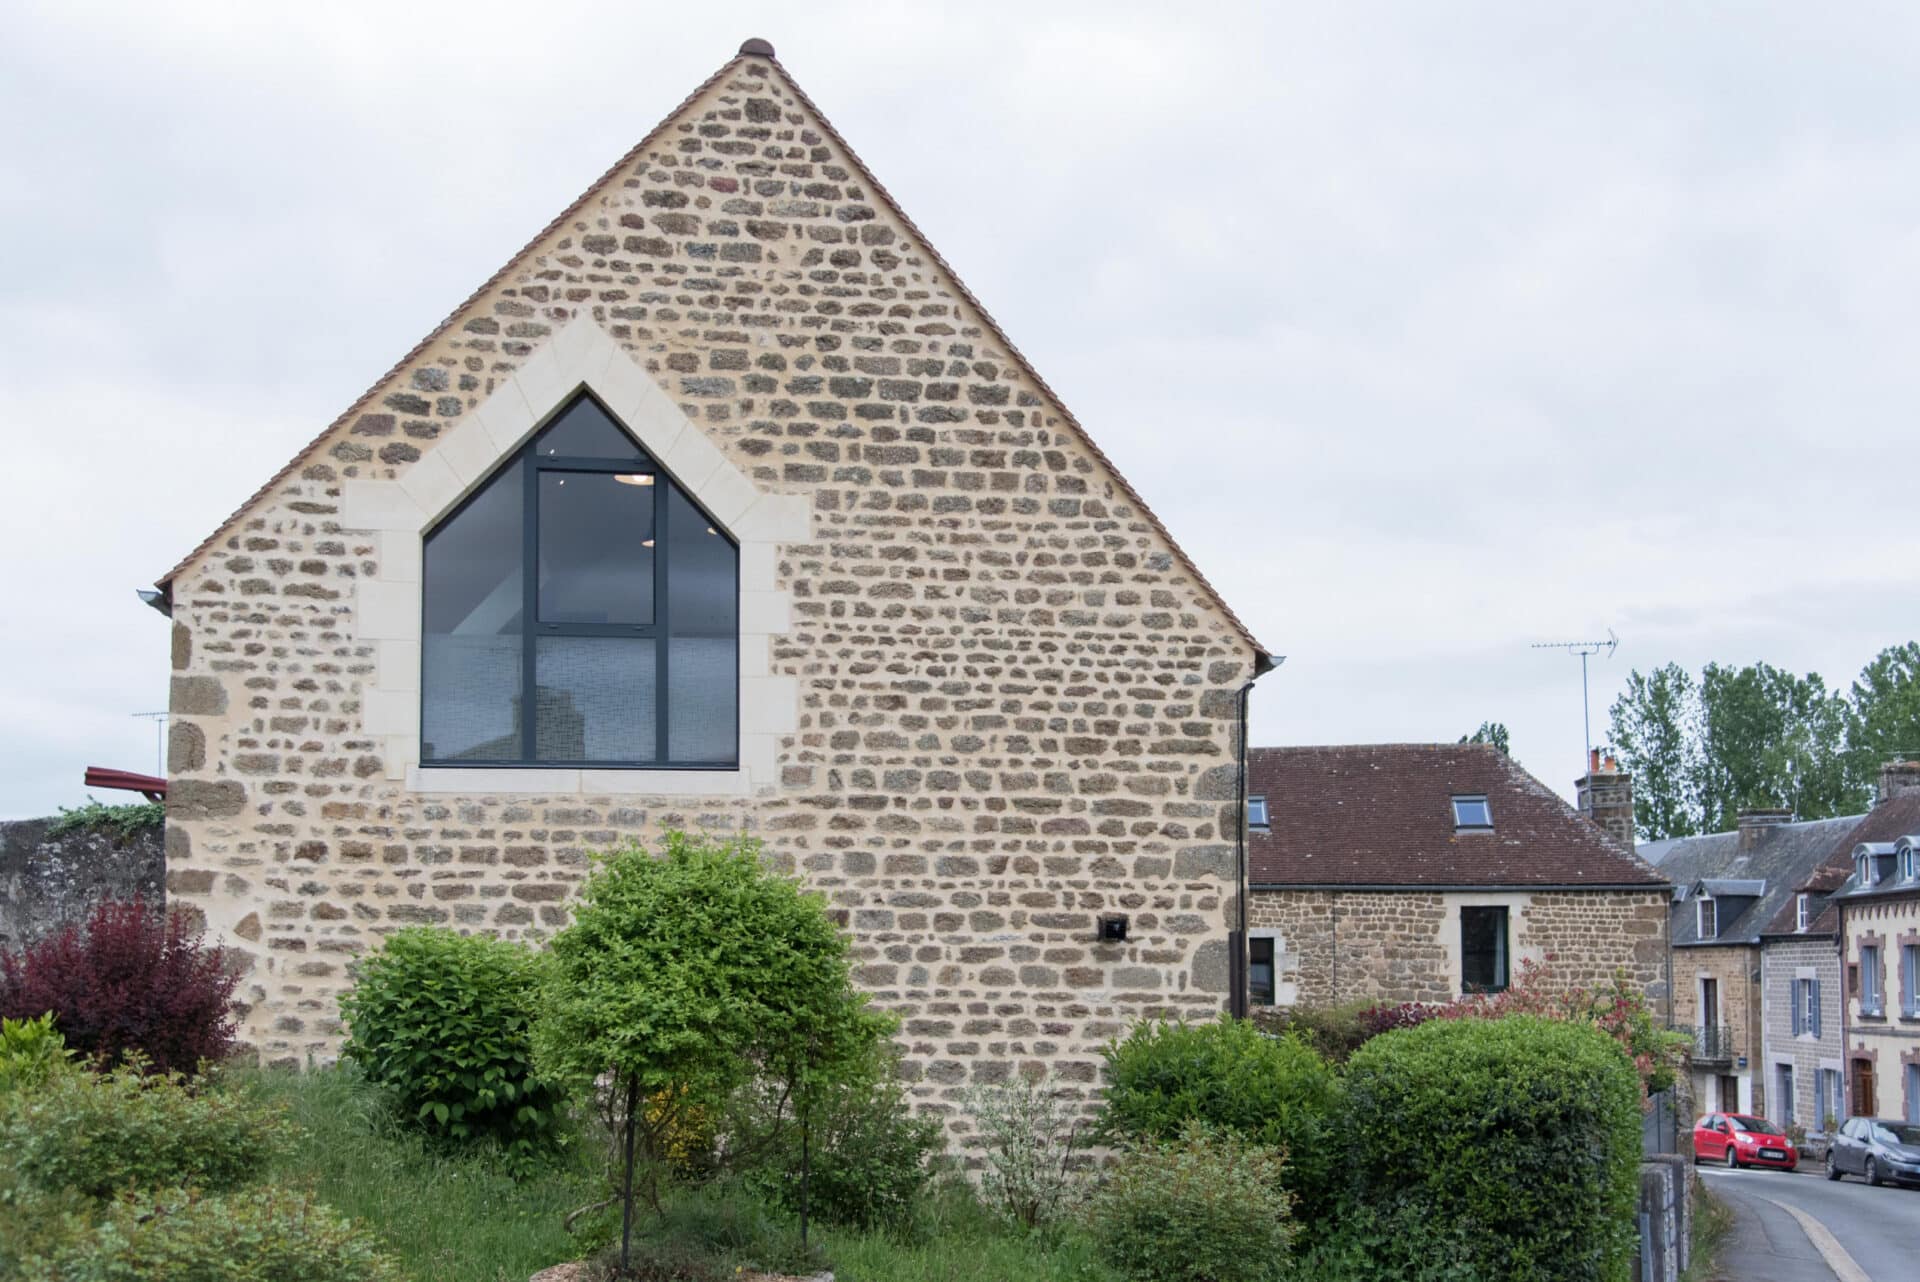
(1431, 330)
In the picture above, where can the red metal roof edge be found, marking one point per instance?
(893, 205)
(125, 781)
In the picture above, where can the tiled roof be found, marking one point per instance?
(1888, 821)
(1382, 815)
(1781, 855)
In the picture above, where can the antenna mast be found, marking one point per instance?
(159, 720)
(1584, 649)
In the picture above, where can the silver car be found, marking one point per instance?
(1879, 1150)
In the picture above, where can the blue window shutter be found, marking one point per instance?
(1794, 989)
(1816, 1006)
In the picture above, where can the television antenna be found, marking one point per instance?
(1585, 649)
(159, 720)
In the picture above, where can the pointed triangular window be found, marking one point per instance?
(580, 610)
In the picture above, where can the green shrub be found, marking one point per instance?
(261, 1235)
(121, 821)
(1522, 1133)
(444, 1021)
(31, 1050)
(1205, 1207)
(711, 1234)
(100, 1134)
(1401, 1240)
(867, 1154)
(1274, 1091)
(1334, 1032)
(1029, 1140)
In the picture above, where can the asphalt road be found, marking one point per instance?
(1880, 1228)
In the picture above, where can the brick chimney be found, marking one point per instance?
(1896, 779)
(1605, 795)
(1754, 824)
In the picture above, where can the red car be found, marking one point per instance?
(1739, 1139)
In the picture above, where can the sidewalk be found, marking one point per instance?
(1766, 1245)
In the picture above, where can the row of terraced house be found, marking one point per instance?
(1796, 960)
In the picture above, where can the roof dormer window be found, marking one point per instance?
(1257, 813)
(1803, 911)
(1472, 812)
(1708, 919)
(1909, 863)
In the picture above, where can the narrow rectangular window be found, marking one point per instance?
(1909, 980)
(1785, 1117)
(1813, 1006)
(1256, 812)
(1260, 971)
(1799, 1007)
(1709, 919)
(1483, 950)
(1870, 980)
(1803, 909)
(1913, 1093)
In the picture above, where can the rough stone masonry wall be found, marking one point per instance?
(1016, 707)
(1737, 968)
(1403, 946)
(47, 881)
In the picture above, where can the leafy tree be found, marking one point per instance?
(1886, 708)
(1493, 732)
(682, 977)
(1653, 734)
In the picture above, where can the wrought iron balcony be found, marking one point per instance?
(1712, 1044)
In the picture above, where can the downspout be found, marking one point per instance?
(1237, 938)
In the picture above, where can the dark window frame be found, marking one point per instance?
(532, 626)
(1264, 820)
(1257, 945)
(1472, 798)
(1502, 960)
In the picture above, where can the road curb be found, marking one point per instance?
(1844, 1266)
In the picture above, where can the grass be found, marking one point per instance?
(447, 1218)
(453, 1218)
(1712, 1223)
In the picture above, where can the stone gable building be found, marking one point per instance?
(723, 505)
(1418, 872)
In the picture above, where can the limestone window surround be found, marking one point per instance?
(387, 607)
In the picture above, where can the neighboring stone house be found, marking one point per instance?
(1803, 995)
(832, 566)
(1418, 872)
(1728, 889)
(1878, 907)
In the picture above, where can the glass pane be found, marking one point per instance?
(1483, 945)
(596, 549)
(470, 650)
(703, 647)
(471, 705)
(472, 565)
(594, 699)
(583, 430)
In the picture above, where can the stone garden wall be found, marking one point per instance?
(47, 881)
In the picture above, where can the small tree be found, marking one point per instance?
(682, 977)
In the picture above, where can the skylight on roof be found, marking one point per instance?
(1472, 812)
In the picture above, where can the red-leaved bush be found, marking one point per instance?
(132, 980)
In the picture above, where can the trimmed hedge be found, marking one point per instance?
(1273, 1091)
(1521, 1133)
